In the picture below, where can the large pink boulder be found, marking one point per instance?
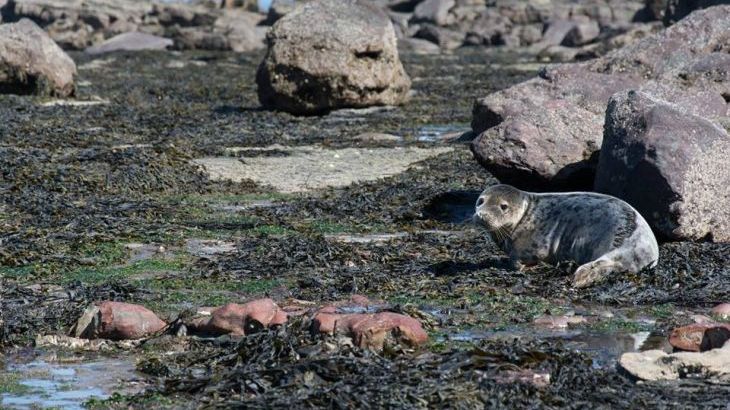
(240, 319)
(117, 321)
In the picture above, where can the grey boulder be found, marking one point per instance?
(331, 54)
(32, 63)
(670, 164)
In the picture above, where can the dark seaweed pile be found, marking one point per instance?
(73, 179)
(424, 263)
(31, 310)
(291, 368)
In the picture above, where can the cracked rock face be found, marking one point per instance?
(332, 54)
(670, 164)
(32, 63)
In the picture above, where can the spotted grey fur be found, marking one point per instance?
(601, 233)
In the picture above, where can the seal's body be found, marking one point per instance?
(601, 233)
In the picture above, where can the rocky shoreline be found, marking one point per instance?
(217, 216)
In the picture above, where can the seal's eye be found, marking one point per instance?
(480, 202)
(503, 206)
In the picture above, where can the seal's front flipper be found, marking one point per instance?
(593, 272)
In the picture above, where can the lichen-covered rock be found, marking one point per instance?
(669, 164)
(331, 54)
(31, 63)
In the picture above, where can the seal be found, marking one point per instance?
(601, 233)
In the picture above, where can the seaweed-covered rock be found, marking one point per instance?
(332, 54)
(669, 164)
(544, 133)
(370, 331)
(658, 365)
(31, 63)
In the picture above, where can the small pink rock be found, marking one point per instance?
(722, 311)
(240, 320)
(369, 330)
(117, 321)
(700, 337)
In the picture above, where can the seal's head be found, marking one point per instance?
(500, 208)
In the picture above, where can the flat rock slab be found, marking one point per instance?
(657, 365)
(310, 167)
(132, 41)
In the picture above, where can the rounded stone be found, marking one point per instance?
(332, 54)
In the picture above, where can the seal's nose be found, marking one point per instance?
(480, 202)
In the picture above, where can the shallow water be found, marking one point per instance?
(453, 207)
(604, 347)
(45, 381)
(435, 132)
